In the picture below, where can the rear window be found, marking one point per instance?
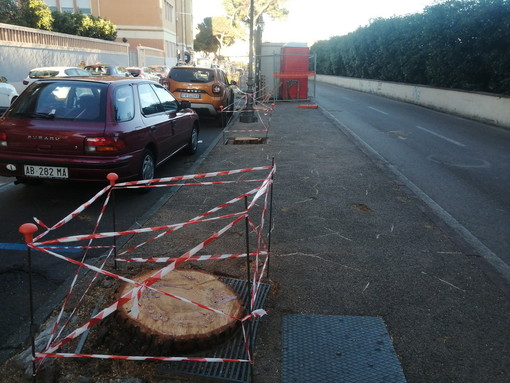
(76, 101)
(192, 75)
(42, 73)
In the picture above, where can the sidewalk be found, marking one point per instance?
(350, 240)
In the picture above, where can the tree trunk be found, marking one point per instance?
(167, 324)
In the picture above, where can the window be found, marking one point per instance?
(65, 101)
(221, 77)
(67, 6)
(170, 48)
(167, 100)
(169, 11)
(191, 75)
(84, 6)
(148, 100)
(52, 4)
(124, 103)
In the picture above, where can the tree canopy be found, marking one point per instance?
(240, 9)
(461, 44)
(217, 32)
(8, 11)
(36, 14)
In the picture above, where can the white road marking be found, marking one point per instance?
(441, 136)
(378, 110)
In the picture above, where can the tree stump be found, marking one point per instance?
(169, 324)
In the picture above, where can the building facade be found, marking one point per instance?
(155, 25)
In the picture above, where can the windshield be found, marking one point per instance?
(77, 101)
(98, 70)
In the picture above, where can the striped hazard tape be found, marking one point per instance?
(258, 198)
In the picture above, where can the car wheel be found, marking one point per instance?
(147, 166)
(231, 101)
(193, 141)
(221, 118)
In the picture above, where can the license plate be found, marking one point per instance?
(190, 95)
(46, 171)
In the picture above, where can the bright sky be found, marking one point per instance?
(312, 20)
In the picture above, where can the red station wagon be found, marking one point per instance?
(83, 129)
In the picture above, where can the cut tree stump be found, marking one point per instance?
(172, 325)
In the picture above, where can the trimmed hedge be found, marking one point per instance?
(457, 44)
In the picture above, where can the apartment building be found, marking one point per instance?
(161, 26)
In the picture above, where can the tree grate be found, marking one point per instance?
(233, 348)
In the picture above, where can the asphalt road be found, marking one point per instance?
(461, 168)
(50, 202)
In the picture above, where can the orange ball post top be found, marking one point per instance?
(112, 177)
(28, 230)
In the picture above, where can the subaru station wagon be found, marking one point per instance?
(83, 129)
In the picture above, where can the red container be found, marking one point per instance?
(294, 71)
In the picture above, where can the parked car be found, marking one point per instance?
(8, 94)
(83, 129)
(143, 72)
(53, 71)
(208, 89)
(107, 70)
(162, 72)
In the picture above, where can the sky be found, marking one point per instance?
(313, 20)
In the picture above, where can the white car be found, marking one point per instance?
(8, 94)
(53, 71)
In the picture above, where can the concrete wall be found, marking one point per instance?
(22, 49)
(492, 109)
(16, 62)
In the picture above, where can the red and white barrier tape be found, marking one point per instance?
(192, 176)
(136, 292)
(196, 258)
(40, 355)
(245, 130)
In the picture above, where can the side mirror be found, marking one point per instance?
(185, 104)
(234, 83)
(3, 79)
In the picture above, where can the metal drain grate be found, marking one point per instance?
(233, 348)
(247, 140)
(347, 349)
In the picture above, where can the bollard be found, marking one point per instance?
(113, 177)
(28, 230)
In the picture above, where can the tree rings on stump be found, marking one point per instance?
(173, 325)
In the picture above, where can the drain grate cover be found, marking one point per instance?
(233, 348)
(347, 349)
(247, 140)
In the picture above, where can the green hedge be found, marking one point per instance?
(459, 44)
